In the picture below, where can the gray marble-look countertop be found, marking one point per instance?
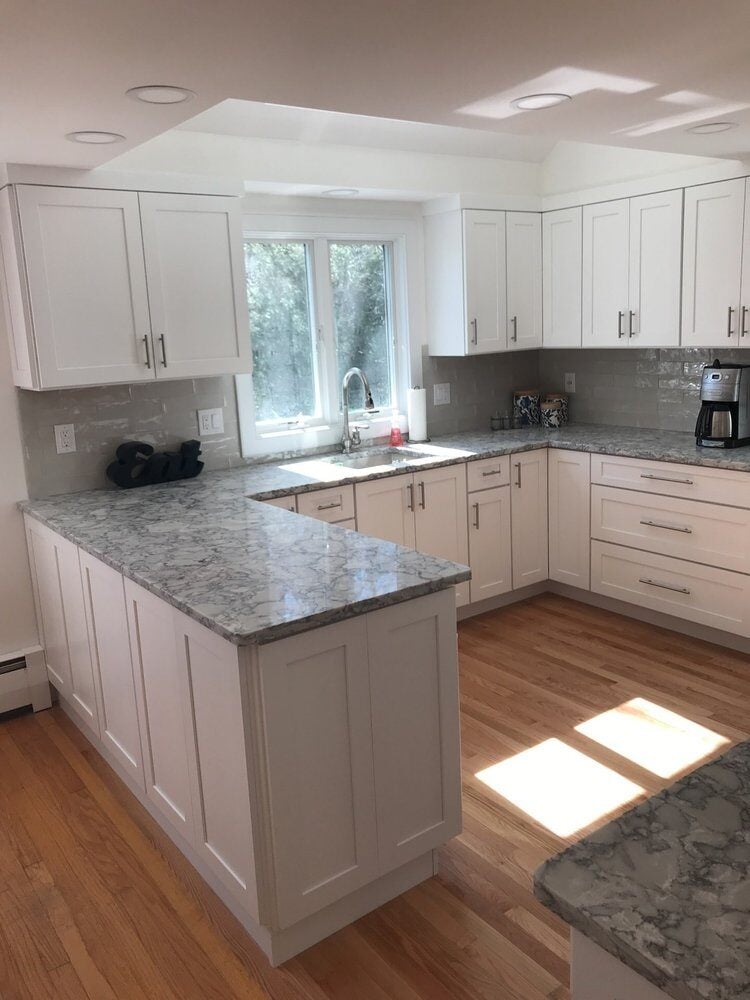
(666, 887)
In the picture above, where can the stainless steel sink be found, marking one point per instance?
(376, 459)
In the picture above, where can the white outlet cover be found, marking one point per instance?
(570, 382)
(441, 394)
(65, 438)
(210, 422)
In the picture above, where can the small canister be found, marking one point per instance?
(552, 413)
(526, 407)
(562, 398)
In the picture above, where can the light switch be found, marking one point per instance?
(65, 438)
(210, 422)
(441, 394)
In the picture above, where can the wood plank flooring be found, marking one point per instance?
(96, 903)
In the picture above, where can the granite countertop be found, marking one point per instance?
(666, 887)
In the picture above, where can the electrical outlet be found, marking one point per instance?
(65, 438)
(570, 381)
(441, 394)
(210, 422)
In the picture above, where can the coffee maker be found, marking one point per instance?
(724, 418)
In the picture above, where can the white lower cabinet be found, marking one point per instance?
(489, 543)
(529, 517)
(569, 517)
(385, 509)
(597, 975)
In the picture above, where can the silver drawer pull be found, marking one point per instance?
(493, 472)
(329, 506)
(666, 479)
(663, 586)
(669, 527)
(476, 515)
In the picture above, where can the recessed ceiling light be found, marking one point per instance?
(710, 128)
(536, 102)
(340, 192)
(95, 138)
(158, 93)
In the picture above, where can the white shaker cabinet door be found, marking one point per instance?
(712, 263)
(441, 529)
(529, 517)
(104, 594)
(318, 747)
(562, 274)
(485, 281)
(524, 275)
(489, 543)
(196, 284)
(414, 689)
(164, 711)
(87, 285)
(569, 517)
(605, 273)
(385, 509)
(655, 270)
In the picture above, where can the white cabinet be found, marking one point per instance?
(334, 505)
(112, 286)
(164, 710)
(605, 273)
(490, 543)
(597, 975)
(562, 276)
(86, 286)
(529, 517)
(106, 615)
(423, 510)
(712, 264)
(318, 745)
(569, 517)
(59, 595)
(196, 284)
(483, 281)
(524, 279)
(285, 503)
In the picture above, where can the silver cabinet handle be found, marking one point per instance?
(422, 501)
(410, 490)
(669, 527)
(148, 352)
(666, 479)
(476, 515)
(620, 317)
(730, 331)
(475, 333)
(631, 315)
(514, 324)
(663, 586)
(329, 506)
(163, 350)
(518, 474)
(493, 472)
(743, 322)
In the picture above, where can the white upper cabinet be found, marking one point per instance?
(712, 264)
(606, 273)
(86, 285)
(101, 287)
(485, 277)
(196, 284)
(744, 323)
(562, 263)
(655, 266)
(524, 279)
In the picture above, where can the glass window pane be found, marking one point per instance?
(361, 314)
(278, 295)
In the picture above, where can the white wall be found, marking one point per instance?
(17, 618)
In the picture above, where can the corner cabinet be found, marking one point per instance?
(562, 273)
(528, 511)
(108, 286)
(483, 281)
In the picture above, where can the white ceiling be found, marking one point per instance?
(641, 71)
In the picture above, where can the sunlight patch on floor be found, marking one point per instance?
(559, 787)
(657, 739)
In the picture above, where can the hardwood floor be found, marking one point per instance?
(96, 903)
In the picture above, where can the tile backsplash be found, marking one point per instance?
(637, 388)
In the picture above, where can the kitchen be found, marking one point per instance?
(373, 621)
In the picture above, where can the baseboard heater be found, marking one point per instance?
(20, 676)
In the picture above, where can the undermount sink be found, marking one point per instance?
(374, 460)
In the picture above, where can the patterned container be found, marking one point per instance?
(552, 413)
(526, 408)
(562, 398)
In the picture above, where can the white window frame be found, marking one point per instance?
(278, 438)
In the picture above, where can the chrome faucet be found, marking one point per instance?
(352, 437)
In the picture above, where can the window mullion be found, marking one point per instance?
(326, 331)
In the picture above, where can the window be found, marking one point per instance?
(318, 306)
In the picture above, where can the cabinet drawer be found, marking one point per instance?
(286, 503)
(704, 532)
(335, 504)
(488, 472)
(692, 482)
(714, 597)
